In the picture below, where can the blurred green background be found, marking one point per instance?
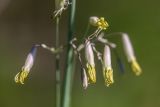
(26, 22)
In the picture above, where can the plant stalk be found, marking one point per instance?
(57, 63)
(69, 73)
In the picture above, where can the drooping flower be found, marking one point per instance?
(91, 72)
(84, 78)
(131, 55)
(20, 77)
(107, 69)
(101, 23)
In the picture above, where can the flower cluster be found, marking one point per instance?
(22, 75)
(88, 72)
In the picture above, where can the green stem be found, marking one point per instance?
(86, 32)
(69, 73)
(58, 76)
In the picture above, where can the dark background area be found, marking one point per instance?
(26, 22)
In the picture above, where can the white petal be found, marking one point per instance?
(128, 47)
(29, 62)
(85, 79)
(89, 53)
(107, 56)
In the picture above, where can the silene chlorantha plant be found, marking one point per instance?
(88, 44)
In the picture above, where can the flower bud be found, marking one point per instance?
(93, 20)
(19, 78)
(91, 72)
(107, 70)
(130, 55)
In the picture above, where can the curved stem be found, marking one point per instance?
(115, 33)
(86, 32)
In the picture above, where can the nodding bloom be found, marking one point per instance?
(130, 55)
(101, 23)
(20, 77)
(84, 78)
(91, 72)
(107, 69)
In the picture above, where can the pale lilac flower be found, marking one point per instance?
(91, 72)
(20, 77)
(130, 54)
(107, 69)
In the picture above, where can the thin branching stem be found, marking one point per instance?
(86, 32)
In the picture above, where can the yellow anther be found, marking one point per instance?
(20, 77)
(108, 76)
(91, 73)
(99, 23)
(135, 67)
(102, 23)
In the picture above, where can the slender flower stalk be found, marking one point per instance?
(22, 75)
(105, 41)
(107, 70)
(84, 78)
(69, 73)
(58, 73)
(100, 23)
(59, 7)
(91, 72)
(119, 61)
(131, 55)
